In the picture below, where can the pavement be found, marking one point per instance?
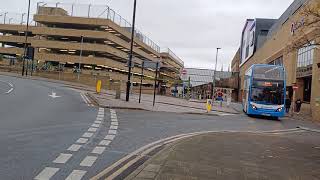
(162, 104)
(222, 156)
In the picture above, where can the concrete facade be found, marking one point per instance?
(285, 39)
(60, 35)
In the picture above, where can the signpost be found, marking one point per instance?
(150, 65)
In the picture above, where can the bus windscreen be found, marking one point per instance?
(268, 92)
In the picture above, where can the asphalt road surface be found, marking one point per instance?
(49, 131)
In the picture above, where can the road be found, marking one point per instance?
(62, 136)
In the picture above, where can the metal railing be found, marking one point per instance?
(172, 54)
(96, 11)
(15, 18)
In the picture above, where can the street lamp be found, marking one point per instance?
(131, 51)
(214, 75)
(26, 41)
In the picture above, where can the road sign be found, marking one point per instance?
(184, 72)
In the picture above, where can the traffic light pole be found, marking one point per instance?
(131, 51)
(214, 75)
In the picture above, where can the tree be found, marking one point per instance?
(308, 29)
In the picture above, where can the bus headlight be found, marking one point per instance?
(254, 107)
(279, 109)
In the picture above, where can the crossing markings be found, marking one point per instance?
(86, 99)
(62, 158)
(87, 135)
(76, 175)
(82, 140)
(88, 161)
(110, 137)
(104, 142)
(74, 147)
(98, 150)
(46, 173)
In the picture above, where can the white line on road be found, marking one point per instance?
(114, 127)
(88, 100)
(95, 125)
(98, 150)
(62, 158)
(87, 135)
(74, 147)
(115, 123)
(47, 173)
(88, 161)
(92, 129)
(112, 132)
(99, 119)
(100, 116)
(82, 140)
(97, 122)
(109, 137)
(114, 119)
(104, 142)
(76, 175)
(83, 98)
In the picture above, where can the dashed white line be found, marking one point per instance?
(112, 131)
(76, 175)
(82, 140)
(109, 137)
(88, 161)
(97, 122)
(114, 123)
(92, 129)
(87, 135)
(47, 173)
(74, 147)
(95, 125)
(99, 119)
(104, 142)
(114, 127)
(62, 158)
(98, 150)
(114, 119)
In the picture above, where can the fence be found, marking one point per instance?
(97, 11)
(15, 18)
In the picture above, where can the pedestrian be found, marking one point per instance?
(288, 104)
(298, 105)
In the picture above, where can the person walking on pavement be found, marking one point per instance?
(288, 104)
(298, 105)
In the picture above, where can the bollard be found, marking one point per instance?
(209, 105)
(98, 87)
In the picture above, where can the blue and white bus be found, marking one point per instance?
(265, 90)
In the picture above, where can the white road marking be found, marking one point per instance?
(89, 102)
(114, 116)
(74, 147)
(87, 135)
(82, 140)
(112, 132)
(109, 137)
(92, 129)
(113, 127)
(95, 125)
(114, 123)
(104, 142)
(54, 95)
(114, 119)
(101, 109)
(83, 98)
(62, 158)
(10, 90)
(97, 122)
(88, 161)
(98, 150)
(76, 175)
(47, 173)
(99, 119)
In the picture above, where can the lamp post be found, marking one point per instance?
(26, 41)
(214, 75)
(131, 51)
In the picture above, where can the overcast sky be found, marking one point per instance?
(192, 29)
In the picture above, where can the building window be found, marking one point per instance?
(278, 61)
(305, 56)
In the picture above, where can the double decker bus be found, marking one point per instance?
(265, 90)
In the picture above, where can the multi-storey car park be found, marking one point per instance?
(96, 37)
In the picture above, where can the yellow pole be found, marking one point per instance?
(98, 87)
